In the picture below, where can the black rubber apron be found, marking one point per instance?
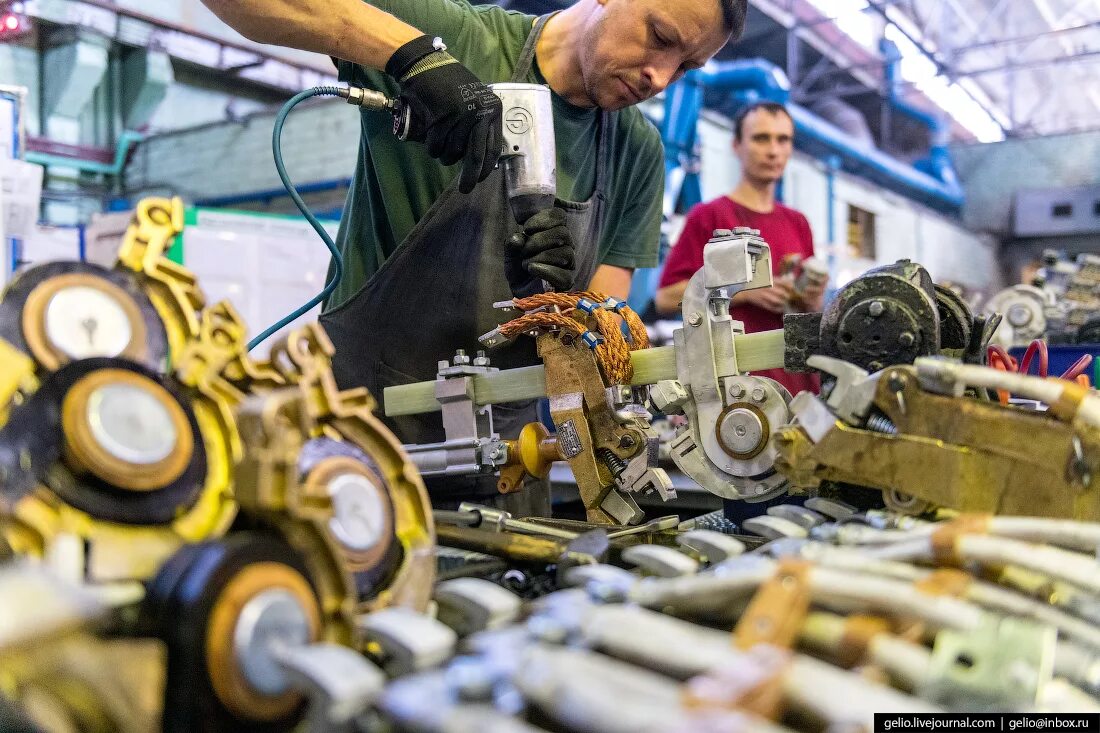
(435, 294)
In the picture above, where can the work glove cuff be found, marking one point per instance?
(409, 59)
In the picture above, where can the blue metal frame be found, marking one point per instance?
(127, 140)
(15, 245)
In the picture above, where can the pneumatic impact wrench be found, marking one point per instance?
(529, 154)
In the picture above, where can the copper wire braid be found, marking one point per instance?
(529, 322)
(613, 355)
(639, 337)
(616, 363)
(561, 300)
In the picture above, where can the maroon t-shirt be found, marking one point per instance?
(785, 230)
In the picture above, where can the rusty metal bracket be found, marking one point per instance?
(598, 447)
(956, 452)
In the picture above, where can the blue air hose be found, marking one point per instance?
(277, 153)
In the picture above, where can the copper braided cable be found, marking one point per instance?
(639, 337)
(544, 319)
(607, 357)
(561, 300)
(613, 355)
(617, 365)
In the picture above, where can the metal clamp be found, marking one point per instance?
(1003, 663)
(726, 447)
(468, 605)
(663, 562)
(339, 682)
(409, 641)
(714, 547)
(471, 445)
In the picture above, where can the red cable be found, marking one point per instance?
(1078, 367)
(1037, 346)
(1008, 364)
(999, 359)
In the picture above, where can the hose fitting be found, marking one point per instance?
(370, 99)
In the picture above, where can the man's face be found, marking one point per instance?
(633, 49)
(765, 145)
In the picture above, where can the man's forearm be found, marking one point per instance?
(347, 29)
(612, 280)
(667, 300)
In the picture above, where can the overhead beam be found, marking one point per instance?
(984, 45)
(1034, 64)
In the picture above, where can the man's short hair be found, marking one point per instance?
(774, 108)
(733, 16)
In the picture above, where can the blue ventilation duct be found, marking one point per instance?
(938, 163)
(683, 103)
(741, 82)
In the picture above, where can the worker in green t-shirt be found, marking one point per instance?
(427, 236)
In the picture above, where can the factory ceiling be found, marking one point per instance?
(1037, 60)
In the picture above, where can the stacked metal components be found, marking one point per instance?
(824, 625)
(845, 618)
(232, 517)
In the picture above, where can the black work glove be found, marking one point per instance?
(544, 250)
(452, 111)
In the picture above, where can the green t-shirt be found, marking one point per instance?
(395, 182)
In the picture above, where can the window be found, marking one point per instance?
(861, 233)
(1062, 210)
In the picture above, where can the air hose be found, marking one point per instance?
(354, 95)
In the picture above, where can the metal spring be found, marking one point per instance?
(881, 424)
(616, 464)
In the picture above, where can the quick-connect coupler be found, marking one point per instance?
(368, 99)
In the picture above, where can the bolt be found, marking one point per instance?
(442, 364)
(761, 489)
(626, 441)
(737, 391)
(758, 395)
(1019, 315)
(695, 319)
(495, 452)
(905, 338)
(481, 359)
(740, 431)
(460, 358)
(876, 308)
